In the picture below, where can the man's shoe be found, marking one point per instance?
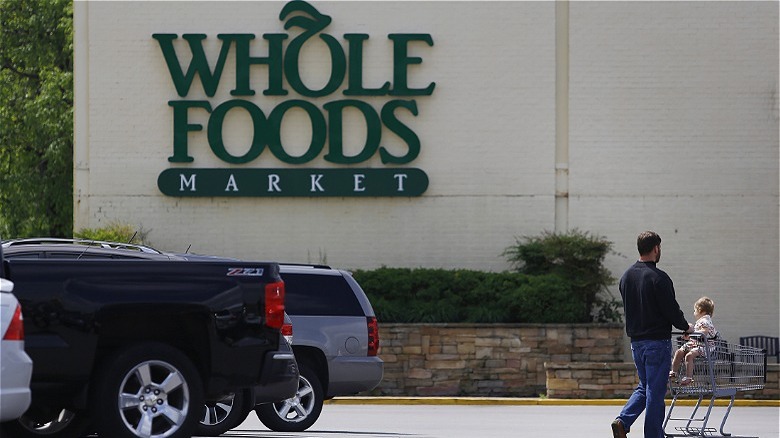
(618, 431)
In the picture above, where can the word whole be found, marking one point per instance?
(281, 74)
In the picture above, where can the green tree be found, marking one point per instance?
(36, 118)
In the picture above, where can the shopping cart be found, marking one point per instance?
(723, 370)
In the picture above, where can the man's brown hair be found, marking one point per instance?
(646, 241)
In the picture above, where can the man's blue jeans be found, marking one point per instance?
(653, 361)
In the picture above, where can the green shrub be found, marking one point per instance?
(114, 232)
(577, 257)
(439, 296)
(559, 278)
(542, 299)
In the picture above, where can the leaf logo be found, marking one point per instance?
(316, 21)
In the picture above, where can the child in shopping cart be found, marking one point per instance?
(702, 312)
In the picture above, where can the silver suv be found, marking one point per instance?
(335, 340)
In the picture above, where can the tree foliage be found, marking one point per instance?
(36, 118)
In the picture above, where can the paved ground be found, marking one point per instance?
(462, 418)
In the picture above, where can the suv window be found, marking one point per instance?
(319, 295)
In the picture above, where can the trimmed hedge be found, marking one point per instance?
(440, 296)
(558, 278)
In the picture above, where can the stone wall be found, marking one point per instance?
(487, 359)
(514, 360)
(591, 379)
(772, 388)
(617, 380)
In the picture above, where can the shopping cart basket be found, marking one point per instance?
(721, 371)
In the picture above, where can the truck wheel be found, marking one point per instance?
(60, 423)
(150, 390)
(298, 413)
(220, 416)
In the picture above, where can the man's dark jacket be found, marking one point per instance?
(650, 305)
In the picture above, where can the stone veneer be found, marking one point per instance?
(487, 359)
(591, 379)
(617, 380)
(514, 360)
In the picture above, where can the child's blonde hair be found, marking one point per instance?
(705, 305)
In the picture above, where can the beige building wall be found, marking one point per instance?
(656, 115)
(674, 126)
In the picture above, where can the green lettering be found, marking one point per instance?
(215, 131)
(199, 64)
(401, 60)
(335, 131)
(244, 62)
(317, 127)
(355, 84)
(337, 72)
(401, 130)
(181, 127)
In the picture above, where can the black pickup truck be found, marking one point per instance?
(130, 342)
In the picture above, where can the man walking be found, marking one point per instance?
(651, 309)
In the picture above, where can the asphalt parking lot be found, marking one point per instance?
(461, 418)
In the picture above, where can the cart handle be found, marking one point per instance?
(700, 337)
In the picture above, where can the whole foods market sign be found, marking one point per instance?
(279, 72)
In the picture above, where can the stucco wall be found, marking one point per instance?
(610, 117)
(674, 126)
(486, 133)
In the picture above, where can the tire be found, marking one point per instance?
(150, 391)
(220, 416)
(297, 413)
(60, 423)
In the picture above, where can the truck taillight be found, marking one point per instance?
(287, 332)
(274, 305)
(373, 336)
(15, 330)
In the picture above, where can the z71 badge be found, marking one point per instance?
(247, 272)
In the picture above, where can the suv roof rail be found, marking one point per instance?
(305, 265)
(65, 241)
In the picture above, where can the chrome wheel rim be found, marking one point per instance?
(49, 428)
(218, 411)
(298, 407)
(154, 399)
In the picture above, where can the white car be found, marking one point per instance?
(15, 364)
